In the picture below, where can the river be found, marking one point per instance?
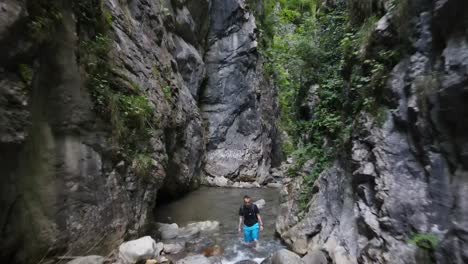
(222, 204)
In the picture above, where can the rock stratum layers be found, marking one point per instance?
(405, 178)
(67, 186)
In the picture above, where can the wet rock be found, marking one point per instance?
(193, 229)
(139, 249)
(195, 259)
(215, 250)
(218, 181)
(283, 256)
(88, 260)
(247, 261)
(249, 185)
(197, 244)
(173, 248)
(168, 231)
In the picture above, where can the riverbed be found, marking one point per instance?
(222, 205)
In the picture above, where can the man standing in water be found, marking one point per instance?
(250, 216)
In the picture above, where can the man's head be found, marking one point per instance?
(247, 200)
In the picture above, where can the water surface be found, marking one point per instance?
(222, 204)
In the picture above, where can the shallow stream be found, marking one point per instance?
(222, 204)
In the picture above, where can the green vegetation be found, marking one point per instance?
(127, 108)
(425, 241)
(331, 60)
(164, 83)
(142, 164)
(45, 16)
(26, 73)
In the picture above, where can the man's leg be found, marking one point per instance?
(247, 234)
(255, 229)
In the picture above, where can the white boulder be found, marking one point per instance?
(88, 260)
(139, 249)
(260, 203)
(194, 228)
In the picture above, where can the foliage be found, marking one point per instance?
(164, 83)
(91, 16)
(25, 73)
(360, 10)
(98, 46)
(142, 164)
(425, 241)
(128, 109)
(331, 60)
(44, 15)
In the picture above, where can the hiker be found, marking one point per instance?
(250, 216)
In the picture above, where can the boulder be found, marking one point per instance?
(88, 260)
(139, 249)
(162, 260)
(274, 185)
(218, 181)
(315, 257)
(248, 184)
(173, 248)
(283, 256)
(246, 261)
(168, 231)
(192, 229)
(195, 259)
(260, 203)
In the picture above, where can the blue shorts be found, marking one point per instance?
(251, 233)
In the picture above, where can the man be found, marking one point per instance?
(250, 216)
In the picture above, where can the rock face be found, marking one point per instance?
(65, 185)
(404, 177)
(237, 103)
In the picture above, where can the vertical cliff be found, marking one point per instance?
(238, 104)
(396, 189)
(104, 105)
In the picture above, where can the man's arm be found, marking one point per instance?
(240, 223)
(260, 221)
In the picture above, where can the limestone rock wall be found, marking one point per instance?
(406, 176)
(64, 186)
(237, 103)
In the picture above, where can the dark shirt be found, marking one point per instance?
(250, 214)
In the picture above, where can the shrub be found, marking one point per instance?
(142, 164)
(425, 241)
(25, 73)
(45, 16)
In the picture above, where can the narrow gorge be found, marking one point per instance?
(347, 116)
